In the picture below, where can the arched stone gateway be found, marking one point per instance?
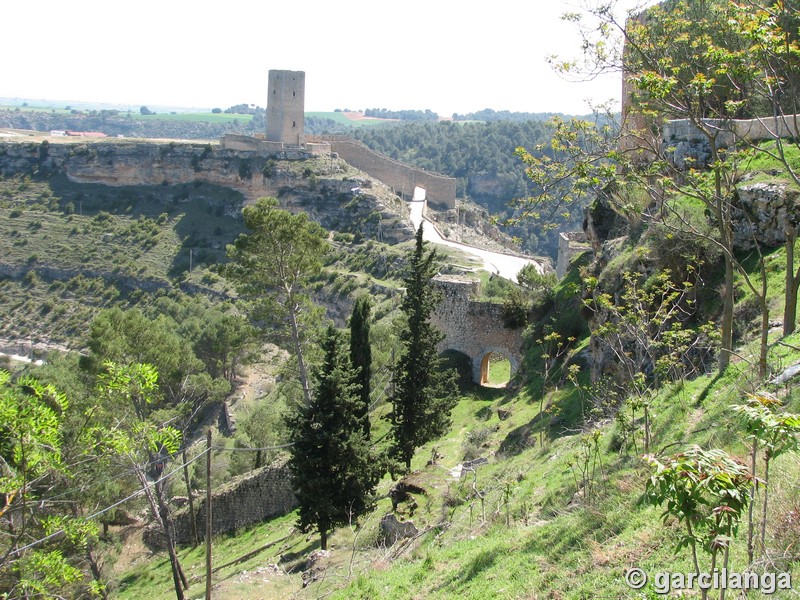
(483, 376)
(474, 328)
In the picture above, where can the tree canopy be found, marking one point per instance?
(333, 471)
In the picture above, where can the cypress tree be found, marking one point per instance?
(361, 355)
(333, 472)
(423, 395)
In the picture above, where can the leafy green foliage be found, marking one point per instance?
(33, 553)
(707, 491)
(530, 277)
(125, 337)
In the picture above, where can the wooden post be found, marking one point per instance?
(191, 502)
(208, 515)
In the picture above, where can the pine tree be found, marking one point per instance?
(423, 395)
(333, 472)
(271, 265)
(361, 355)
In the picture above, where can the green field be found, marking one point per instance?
(199, 117)
(342, 119)
(196, 117)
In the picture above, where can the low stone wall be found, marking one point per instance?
(732, 130)
(245, 500)
(246, 143)
(763, 213)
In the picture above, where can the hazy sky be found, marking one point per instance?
(443, 55)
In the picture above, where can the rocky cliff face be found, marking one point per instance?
(764, 212)
(321, 186)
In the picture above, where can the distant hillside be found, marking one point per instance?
(173, 125)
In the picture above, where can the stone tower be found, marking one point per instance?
(286, 107)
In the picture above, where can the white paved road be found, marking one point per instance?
(505, 265)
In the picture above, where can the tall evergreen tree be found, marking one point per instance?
(423, 395)
(333, 472)
(361, 354)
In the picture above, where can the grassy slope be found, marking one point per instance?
(536, 533)
(557, 543)
(102, 242)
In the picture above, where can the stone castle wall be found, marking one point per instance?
(474, 328)
(246, 500)
(569, 244)
(440, 190)
(247, 143)
(732, 130)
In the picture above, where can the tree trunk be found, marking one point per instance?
(766, 500)
(191, 502)
(173, 559)
(96, 574)
(726, 324)
(298, 349)
(722, 212)
(763, 345)
(169, 531)
(323, 539)
(750, 524)
(790, 288)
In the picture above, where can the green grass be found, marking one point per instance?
(342, 119)
(499, 371)
(195, 117)
(533, 531)
(761, 161)
(153, 580)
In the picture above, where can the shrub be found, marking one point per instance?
(515, 310)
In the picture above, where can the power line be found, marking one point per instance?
(267, 449)
(108, 508)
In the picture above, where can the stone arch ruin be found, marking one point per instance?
(474, 328)
(483, 376)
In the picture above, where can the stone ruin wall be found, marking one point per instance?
(474, 328)
(569, 244)
(733, 130)
(440, 190)
(247, 143)
(246, 500)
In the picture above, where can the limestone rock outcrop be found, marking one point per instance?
(764, 211)
(326, 188)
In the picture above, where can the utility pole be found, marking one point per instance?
(208, 515)
(191, 502)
